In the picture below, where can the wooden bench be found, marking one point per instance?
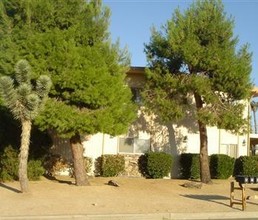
(242, 182)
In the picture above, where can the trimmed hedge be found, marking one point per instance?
(111, 165)
(246, 165)
(190, 166)
(142, 165)
(221, 166)
(155, 164)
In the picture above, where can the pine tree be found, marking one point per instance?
(195, 57)
(25, 103)
(69, 40)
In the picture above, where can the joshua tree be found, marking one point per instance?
(25, 102)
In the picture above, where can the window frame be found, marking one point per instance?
(134, 150)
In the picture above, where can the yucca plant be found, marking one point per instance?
(25, 102)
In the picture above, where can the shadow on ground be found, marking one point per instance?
(9, 188)
(210, 198)
(53, 178)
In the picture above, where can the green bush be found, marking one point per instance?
(246, 165)
(9, 164)
(111, 165)
(221, 166)
(190, 166)
(159, 164)
(35, 169)
(142, 165)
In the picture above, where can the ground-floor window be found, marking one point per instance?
(133, 145)
(254, 149)
(229, 149)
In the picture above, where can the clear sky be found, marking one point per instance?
(131, 21)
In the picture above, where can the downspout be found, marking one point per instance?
(219, 141)
(238, 146)
(103, 144)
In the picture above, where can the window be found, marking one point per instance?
(133, 145)
(229, 149)
(136, 95)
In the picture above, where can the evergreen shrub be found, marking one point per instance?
(190, 166)
(142, 165)
(221, 166)
(9, 165)
(35, 169)
(246, 165)
(158, 164)
(111, 165)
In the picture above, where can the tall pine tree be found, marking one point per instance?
(69, 40)
(195, 57)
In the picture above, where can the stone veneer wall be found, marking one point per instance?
(131, 165)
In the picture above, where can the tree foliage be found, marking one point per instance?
(69, 40)
(196, 53)
(194, 59)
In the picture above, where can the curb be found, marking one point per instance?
(152, 216)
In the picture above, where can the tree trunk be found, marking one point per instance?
(78, 161)
(255, 123)
(204, 157)
(23, 156)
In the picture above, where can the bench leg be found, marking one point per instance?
(231, 193)
(243, 198)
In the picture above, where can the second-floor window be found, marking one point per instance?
(136, 95)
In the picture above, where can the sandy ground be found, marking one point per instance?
(134, 195)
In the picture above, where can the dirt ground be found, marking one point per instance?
(134, 195)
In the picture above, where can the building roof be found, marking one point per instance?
(136, 70)
(139, 70)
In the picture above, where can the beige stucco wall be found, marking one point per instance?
(173, 138)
